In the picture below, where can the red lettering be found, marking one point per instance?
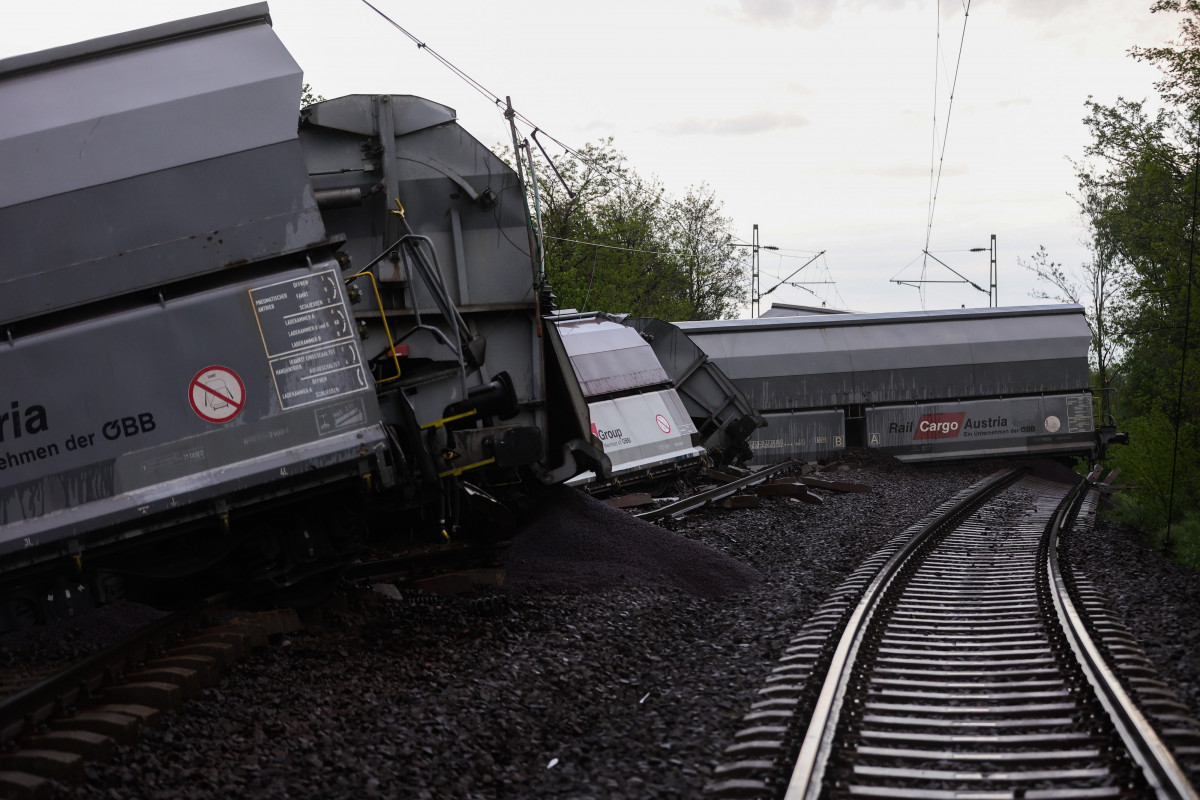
(939, 426)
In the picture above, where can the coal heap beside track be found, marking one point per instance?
(578, 542)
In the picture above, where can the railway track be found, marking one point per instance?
(712, 495)
(957, 663)
(52, 725)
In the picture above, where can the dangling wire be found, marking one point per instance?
(496, 101)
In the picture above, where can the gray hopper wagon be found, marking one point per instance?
(922, 386)
(176, 345)
(633, 407)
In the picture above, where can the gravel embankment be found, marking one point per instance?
(619, 668)
(1158, 599)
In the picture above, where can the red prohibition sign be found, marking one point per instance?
(663, 425)
(217, 394)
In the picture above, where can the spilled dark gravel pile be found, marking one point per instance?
(576, 542)
(618, 664)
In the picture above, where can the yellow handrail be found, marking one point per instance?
(439, 423)
(387, 332)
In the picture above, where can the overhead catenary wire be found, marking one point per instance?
(489, 94)
(794, 273)
(505, 106)
(619, 247)
(476, 85)
(802, 253)
(941, 158)
(828, 273)
(785, 253)
(824, 272)
(493, 98)
(741, 241)
(937, 160)
(933, 138)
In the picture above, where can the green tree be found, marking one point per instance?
(308, 96)
(1095, 285)
(1137, 196)
(615, 241)
(714, 268)
(1138, 192)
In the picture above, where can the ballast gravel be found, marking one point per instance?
(616, 662)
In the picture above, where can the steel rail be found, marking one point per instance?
(1160, 768)
(52, 695)
(819, 739)
(699, 499)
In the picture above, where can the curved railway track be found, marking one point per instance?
(954, 664)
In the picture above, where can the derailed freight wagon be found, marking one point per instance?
(629, 400)
(438, 251)
(921, 386)
(177, 348)
(722, 416)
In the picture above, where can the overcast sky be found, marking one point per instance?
(812, 118)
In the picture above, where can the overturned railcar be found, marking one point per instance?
(446, 294)
(721, 415)
(631, 404)
(922, 386)
(178, 352)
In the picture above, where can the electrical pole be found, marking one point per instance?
(754, 287)
(755, 294)
(995, 291)
(992, 292)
